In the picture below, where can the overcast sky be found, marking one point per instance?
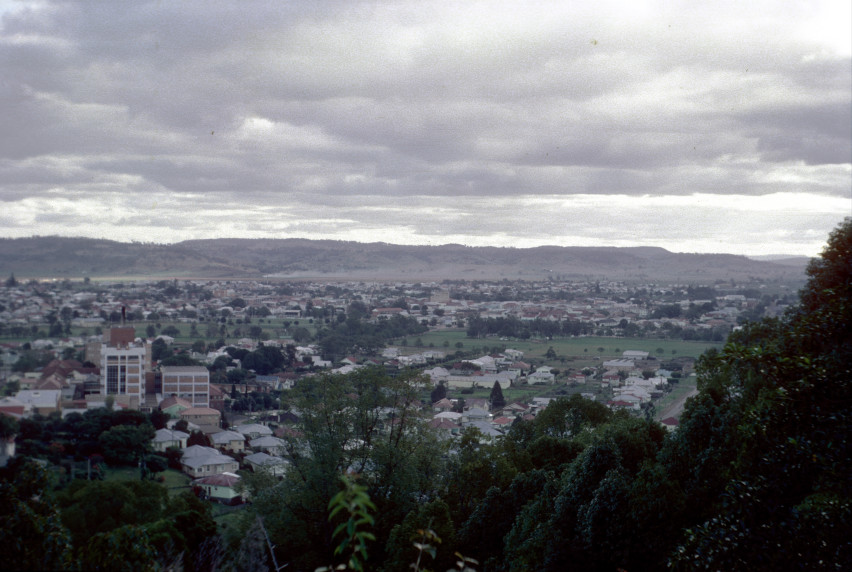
(694, 126)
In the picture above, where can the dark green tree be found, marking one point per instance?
(439, 393)
(781, 388)
(31, 532)
(126, 444)
(160, 350)
(496, 398)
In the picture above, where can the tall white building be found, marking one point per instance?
(123, 365)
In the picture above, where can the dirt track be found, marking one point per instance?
(676, 408)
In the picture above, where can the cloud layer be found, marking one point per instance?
(722, 127)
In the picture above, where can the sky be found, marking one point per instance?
(693, 126)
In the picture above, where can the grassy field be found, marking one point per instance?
(175, 481)
(585, 349)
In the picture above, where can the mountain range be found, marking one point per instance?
(226, 258)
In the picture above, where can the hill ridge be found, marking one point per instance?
(299, 258)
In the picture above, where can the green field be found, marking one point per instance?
(175, 481)
(585, 349)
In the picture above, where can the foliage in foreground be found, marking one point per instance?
(757, 477)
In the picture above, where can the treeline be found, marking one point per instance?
(513, 327)
(353, 334)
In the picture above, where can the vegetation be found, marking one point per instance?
(756, 477)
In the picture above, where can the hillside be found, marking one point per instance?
(58, 257)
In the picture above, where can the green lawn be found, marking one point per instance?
(586, 349)
(176, 481)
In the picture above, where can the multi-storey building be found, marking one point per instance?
(123, 364)
(191, 382)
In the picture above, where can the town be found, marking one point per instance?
(222, 390)
(203, 345)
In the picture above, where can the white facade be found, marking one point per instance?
(189, 382)
(123, 371)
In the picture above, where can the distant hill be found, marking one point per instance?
(59, 257)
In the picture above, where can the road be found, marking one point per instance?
(676, 408)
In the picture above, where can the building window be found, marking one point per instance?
(112, 380)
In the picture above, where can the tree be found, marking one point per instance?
(171, 330)
(301, 335)
(439, 393)
(31, 532)
(11, 281)
(780, 455)
(8, 427)
(160, 350)
(364, 423)
(198, 438)
(159, 419)
(126, 444)
(496, 398)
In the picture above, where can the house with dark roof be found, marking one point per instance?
(223, 488)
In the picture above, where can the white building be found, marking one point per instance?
(123, 364)
(190, 382)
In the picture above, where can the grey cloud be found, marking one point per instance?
(360, 103)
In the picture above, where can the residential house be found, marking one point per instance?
(202, 416)
(43, 402)
(174, 406)
(229, 440)
(223, 488)
(475, 414)
(478, 402)
(253, 430)
(488, 431)
(217, 398)
(200, 461)
(542, 375)
(629, 404)
(445, 426)
(502, 423)
(263, 462)
(437, 374)
(449, 416)
(14, 408)
(165, 438)
(269, 444)
(515, 355)
(619, 364)
(513, 409)
(519, 368)
(442, 405)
